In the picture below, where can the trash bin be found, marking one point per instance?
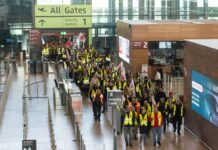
(45, 67)
(32, 66)
(38, 66)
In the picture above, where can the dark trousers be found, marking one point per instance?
(85, 90)
(164, 123)
(148, 129)
(105, 103)
(177, 122)
(97, 111)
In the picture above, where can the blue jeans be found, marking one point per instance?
(156, 134)
(128, 135)
(143, 138)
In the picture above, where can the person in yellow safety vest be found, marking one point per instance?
(97, 104)
(64, 55)
(135, 129)
(171, 101)
(148, 111)
(119, 84)
(128, 125)
(114, 86)
(163, 108)
(114, 75)
(124, 83)
(104, 91)
(156, 123)
(138, 90)
(143, 123)
(85, 85)
(147, 84)
(45, 52)
(58, 51)
(178, 114)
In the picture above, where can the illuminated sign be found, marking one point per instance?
(63, 16)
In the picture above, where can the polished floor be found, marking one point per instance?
(97, 136)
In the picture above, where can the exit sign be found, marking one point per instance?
(63, 33)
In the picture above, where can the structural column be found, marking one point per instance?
(121, 9)
(130, 9)
(141, 9)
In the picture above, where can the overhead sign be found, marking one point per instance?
(63, 16)
(29, 145)
(139, 45)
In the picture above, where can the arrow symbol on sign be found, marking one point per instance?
(42, 9)
(42, 21)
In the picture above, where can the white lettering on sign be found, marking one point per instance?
(139, 45)
(145, 45)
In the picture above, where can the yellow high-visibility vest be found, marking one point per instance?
(148, 110)
(59, 51)
(159, 118)
(143, 120)
(138, 90)
(128, 119)
(174, 110)
(45, 51)
(86, 80)
(120, 85)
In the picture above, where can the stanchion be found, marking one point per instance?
(115, 139)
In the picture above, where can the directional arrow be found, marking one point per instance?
(42, 21)
(42, 9)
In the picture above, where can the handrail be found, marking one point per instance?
(35, 83)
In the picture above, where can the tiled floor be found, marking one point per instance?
(97, 136)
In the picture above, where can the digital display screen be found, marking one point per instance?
(205, 97)
(124, 49)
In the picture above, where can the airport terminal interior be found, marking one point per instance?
(108, 74)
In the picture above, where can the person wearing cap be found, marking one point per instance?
(143, 123)
(156, 123)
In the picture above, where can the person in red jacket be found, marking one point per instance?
(156, 123)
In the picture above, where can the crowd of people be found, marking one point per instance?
(147, 106)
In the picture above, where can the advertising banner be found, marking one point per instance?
(205, 97)
(124, 49)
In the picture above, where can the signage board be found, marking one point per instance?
(63, 16)
(34, 37)
(114, 97)
(29, 145)
(139, 45)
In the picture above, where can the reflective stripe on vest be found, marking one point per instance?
(128, 119)
(143, 121)
(86, 81)
(174, 110)
(159, 118)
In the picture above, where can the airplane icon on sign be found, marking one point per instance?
(42, 9)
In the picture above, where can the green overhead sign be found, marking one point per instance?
(63, 16)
